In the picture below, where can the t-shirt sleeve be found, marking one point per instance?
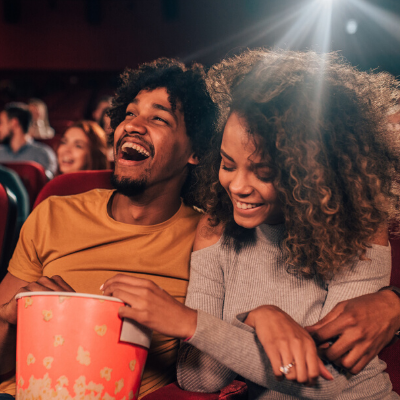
(25, 263)
(218, 351)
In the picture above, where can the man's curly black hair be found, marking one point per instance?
(187, 90)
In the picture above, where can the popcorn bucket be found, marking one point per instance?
(75, 346)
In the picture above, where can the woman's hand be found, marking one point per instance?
(151, 306)
(286, 342)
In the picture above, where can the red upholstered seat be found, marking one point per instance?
(237, 390)
(391, 354)
(74, 183)
(8, 222)
(33, 177)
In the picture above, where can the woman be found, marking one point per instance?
(40, 127)
(83, 146)
(298, 191)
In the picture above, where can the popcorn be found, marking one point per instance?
(47, 315)
(130, 396)
(107, 397)
(28, 301)
(61, 299)
(41, 389)
(62, 381)
(132, 365)
(30, 359)
(119, 385)
(21, 381)
(58, 340)
(106, 373)
(83, 356)
(100, 329)
(47, 362)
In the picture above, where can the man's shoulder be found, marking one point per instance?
(40, 147)
(90, 201)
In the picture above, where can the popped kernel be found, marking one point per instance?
(107, 397)
(61, 299)
(47, 362)
(47, 315)
(58, 340)
(28, 301)
(119, 385)
(83, 356)
(100, 329)
(130, 395)
(106, 373)
(30, 359)
(21, 381)
(62, 381)
(132, 365)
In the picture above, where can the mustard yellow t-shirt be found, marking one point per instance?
(74, 237)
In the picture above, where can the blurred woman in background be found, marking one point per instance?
(40, 127)
(83, 147)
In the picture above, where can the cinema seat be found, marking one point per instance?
(33, 177)
(74, 183)
(391, 354)
(8, 223)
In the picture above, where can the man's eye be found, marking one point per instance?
(128, 113)
(161, 119)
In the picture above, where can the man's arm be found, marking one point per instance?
(363, 325)
(9, 287)
(8, 318)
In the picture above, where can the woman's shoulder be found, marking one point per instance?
(207, 234)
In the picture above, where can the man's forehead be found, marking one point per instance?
(161, 95)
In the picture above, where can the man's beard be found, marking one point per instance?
(129, 187)
(6, 141)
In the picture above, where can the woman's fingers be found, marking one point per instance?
(289, 347)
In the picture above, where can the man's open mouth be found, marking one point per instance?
(133, 152)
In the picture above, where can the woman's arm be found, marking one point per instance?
(218, 350)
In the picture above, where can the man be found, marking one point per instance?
(162, 118)
(17, 145)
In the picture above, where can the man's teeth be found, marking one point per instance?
(245, 206)
(136, 147)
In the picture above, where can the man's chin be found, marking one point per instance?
(128, 186)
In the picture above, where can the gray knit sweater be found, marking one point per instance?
(224, 286)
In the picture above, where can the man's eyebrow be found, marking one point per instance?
(226, 156)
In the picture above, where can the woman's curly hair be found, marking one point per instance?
(322, 125)
(187, 89)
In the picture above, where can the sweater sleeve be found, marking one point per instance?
(218, 350)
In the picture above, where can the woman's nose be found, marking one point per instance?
(239, 185)
(136, 125)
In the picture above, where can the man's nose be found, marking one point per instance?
(136, 125)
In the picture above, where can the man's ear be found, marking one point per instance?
(193, 159)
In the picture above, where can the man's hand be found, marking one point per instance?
(8, 311)
(360, 328)
(151, 306)
(286, 342)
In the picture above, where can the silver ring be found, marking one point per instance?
(285, 369)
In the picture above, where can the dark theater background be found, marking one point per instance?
(70, 52)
